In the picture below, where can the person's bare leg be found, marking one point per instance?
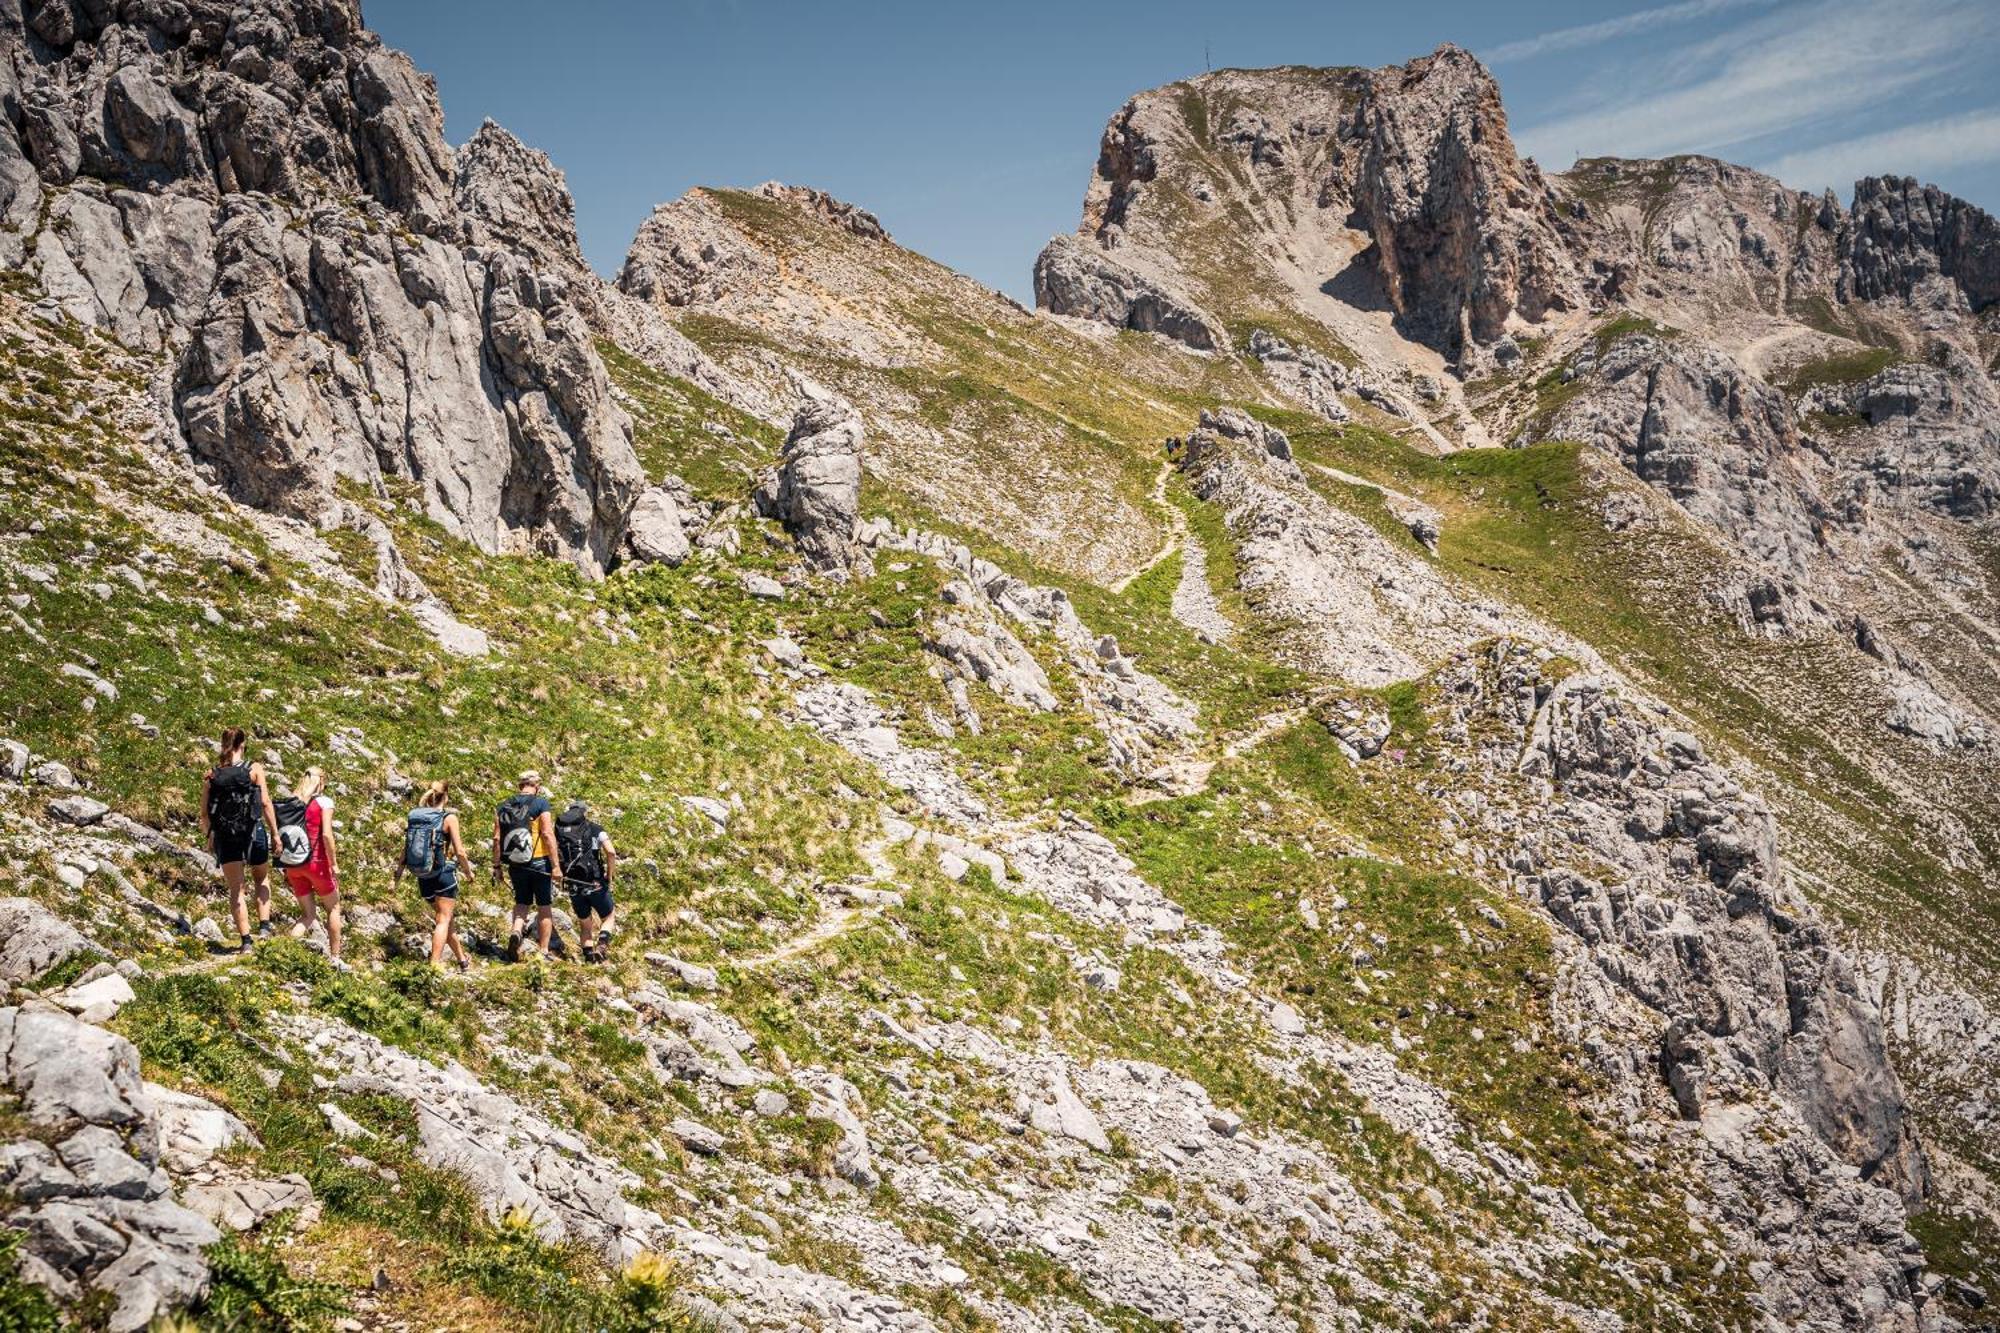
(239, 911)
(261, 877)
(586, 932)
(333, 923)
(545, 927)
(308, 915)
(440, 929)
(448, 929)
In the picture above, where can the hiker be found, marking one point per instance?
(309, 856)
(236, 817)
(524, 841)
(435, 854)
(590, 861)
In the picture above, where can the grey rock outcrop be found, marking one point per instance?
(1901, 235)
(1723, 444)
(1699, 922)
(816, 489)
(1463, 232)
(1073, 277)
(515, 199)
(269, 200)
(848, 217)
(90, 1198)
(686, 253)
(1933, 434)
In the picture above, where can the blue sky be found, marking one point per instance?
(971, 128)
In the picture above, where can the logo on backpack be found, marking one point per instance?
(517, 839)
(423, 842)
(294, 840)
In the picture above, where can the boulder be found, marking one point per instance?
(653, 530)
(34, 940)
(194, 1129)
(816, 490)
(97, 1001)
(79, 810)
(697, 1137)
(244, 1204)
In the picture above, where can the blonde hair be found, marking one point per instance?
(437, 793)
(310, 784)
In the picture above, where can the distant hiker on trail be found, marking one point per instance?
(590, 861)
(434, 852)
(308, 855)
(236, 815)
(524, 841)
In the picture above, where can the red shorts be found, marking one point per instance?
(309, 881)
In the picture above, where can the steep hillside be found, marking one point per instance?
(1124, 822)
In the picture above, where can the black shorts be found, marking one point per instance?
(533, 885)
(444, 884)
(254, 850)
(590, 900)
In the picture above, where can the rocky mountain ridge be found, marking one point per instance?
(1268, 881)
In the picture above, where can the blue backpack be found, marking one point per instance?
(424, 841)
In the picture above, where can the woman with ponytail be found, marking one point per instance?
(236, 819)
(434, 852)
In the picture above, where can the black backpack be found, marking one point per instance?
(517, 837)
(294, 845)
(576, 839)
(232, 802)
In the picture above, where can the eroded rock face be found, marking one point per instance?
(1723, 444)
(268, 197)
(514, 198)
(1462, 229)
(1697, 920)
(1933, 433)
(1072, 277)
(1901, 235)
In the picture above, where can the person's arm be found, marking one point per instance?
(609, 856)
(326, 837)
(207, 835)
(496, 850)
(457, 845)
(548, 824)
(264, 795)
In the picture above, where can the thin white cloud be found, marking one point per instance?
(1910, 150)
(1607, 30)
(1774, 75)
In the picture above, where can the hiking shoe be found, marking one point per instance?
(513, 954)
(243, 946)
(264, 930)
(463, 965)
